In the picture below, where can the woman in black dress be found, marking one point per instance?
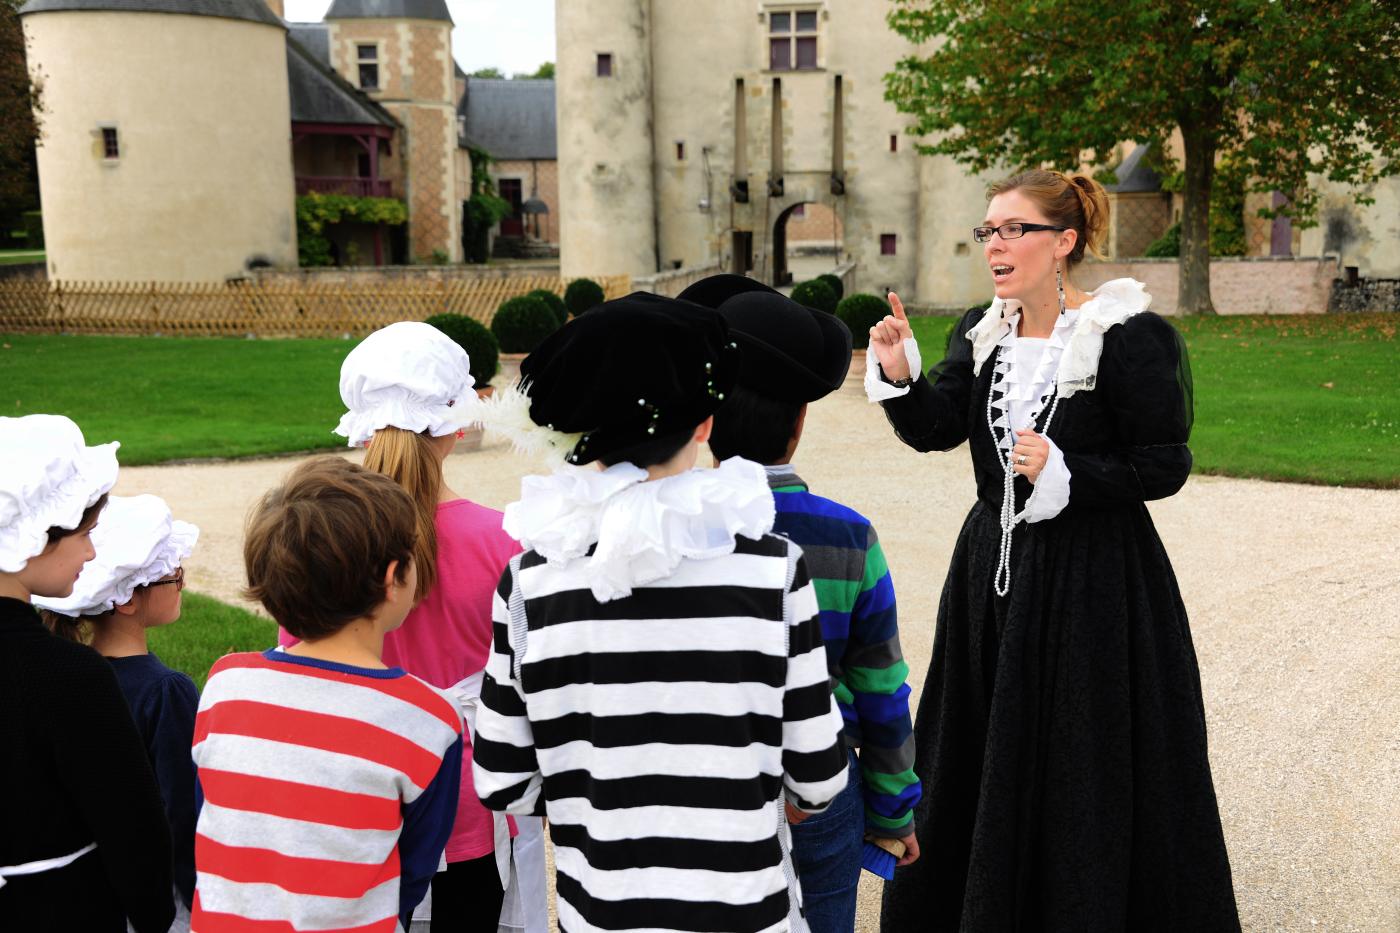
(1061, 732)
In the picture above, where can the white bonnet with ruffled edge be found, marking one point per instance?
(48, 478)
(137, 542)
(409, 375)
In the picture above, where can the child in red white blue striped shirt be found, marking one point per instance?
(328, 781)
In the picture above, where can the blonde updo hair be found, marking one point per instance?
(1074, 201)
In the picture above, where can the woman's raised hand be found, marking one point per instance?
(887, 341)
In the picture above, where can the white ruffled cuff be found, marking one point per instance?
(1051, 492)
(877, 389)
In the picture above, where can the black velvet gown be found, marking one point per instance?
(1061, 733)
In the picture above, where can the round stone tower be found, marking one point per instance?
(165, 150)
(605, 132)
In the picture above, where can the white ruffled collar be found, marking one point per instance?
(642, 530)
(1111, 303)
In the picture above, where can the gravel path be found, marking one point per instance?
(1294, 596)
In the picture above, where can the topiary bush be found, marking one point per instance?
(1166, 246)
(816, 295)
(521, 323)
(556, 304)
(860, 312)
(482, 349)
(835, 282)
(583, 295)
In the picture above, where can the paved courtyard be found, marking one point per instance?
(1294, 596)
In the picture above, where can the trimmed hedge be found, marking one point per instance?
(835, 282)
(556, 304)
(583, 295)
(816, 295)
(860, 312)
(482, 349)
(521, 323)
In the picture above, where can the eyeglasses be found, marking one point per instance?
(178, 579)
(1010, 231)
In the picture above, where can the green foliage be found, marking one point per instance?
(485, 207)
(33, 230)
(545, 71)
(206, 631)
(522, 322)
(835, 282)
(1166, 246)
(315, 211)
(815, 294)
(860, 312)
(483, 351)
(492, 72)
(439, 257)
(20, 110)
(172, 398)
(582, 295)
(1283, 89)
(556, 304)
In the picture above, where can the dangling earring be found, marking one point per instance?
(1060, 285)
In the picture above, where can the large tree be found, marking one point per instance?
(1281, 90)
(18, 127)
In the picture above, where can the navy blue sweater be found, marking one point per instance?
(163, 703)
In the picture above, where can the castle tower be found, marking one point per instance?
(605, 138)
(400, 53)
(165, 152)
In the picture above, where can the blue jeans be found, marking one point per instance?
(827, 851)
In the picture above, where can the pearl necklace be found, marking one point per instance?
(1001, 583)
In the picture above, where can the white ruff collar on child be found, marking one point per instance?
(642, 529)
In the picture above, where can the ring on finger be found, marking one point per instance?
(1022, 460)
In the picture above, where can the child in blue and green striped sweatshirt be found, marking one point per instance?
(793, 355)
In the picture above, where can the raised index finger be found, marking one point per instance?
(897, 307)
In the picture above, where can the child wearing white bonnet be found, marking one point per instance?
(130, 587)
(86, 844)
(409, 391)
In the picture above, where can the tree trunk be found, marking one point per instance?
(1193, 273)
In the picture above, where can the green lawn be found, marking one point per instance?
(206, 631)
(10, 257)
(170, 398)
(1313, 399)
(1310, 398)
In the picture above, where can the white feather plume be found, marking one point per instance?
(507, 414)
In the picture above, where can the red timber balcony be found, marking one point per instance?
(362, 187)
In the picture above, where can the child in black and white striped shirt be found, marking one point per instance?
(657, 685)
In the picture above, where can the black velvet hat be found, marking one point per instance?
(630, 370)
(791, 353)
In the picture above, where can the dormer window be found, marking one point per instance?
(792, 40)
(367, 57)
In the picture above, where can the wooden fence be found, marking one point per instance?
(261, 309)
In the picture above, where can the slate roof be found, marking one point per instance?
(509, 118)
(319, 95)
(255, 11)
(1134, 177)
(315, 38)
(389, 9)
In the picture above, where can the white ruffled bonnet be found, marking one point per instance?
(408, 375)
(48, 478)
(137, 542)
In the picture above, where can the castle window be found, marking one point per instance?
(111, 149)
(680, 150)
(792, 40)
(887, 243)
(894, 142)
(368, 59)
(605, 64)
